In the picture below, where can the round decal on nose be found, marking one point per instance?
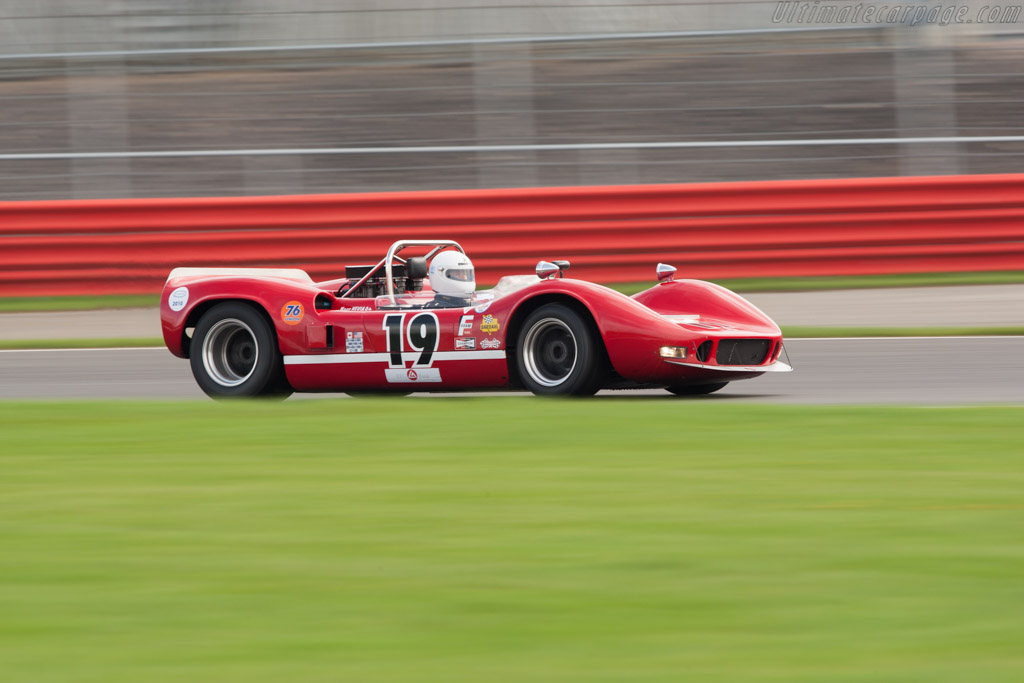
(178, 298)
(292, 313)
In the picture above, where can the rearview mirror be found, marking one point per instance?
(546, 270)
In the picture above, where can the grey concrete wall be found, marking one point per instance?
(85, 25)
(868, 81)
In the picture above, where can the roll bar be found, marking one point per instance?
(398, 246)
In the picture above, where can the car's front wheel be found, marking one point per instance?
(234, 354)
(558, 353)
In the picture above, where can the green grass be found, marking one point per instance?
(510, 539)
(780, 284)
(107, 343)
(806, 284)
(24, 304)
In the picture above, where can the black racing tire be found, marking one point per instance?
(559, 353)
(234, 354)
(696, 389)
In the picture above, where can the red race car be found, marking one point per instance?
(417, 324)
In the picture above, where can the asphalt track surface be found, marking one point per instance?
(914, 370)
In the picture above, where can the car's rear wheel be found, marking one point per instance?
(234, 354)
(559, 353)
(696, 389)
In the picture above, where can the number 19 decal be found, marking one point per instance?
(421, 334)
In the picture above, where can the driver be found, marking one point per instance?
(451, 278)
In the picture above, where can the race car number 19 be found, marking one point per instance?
(421, 333)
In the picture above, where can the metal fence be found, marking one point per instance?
(201, 100)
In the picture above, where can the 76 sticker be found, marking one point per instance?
(292, 313)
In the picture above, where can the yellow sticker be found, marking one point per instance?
(489, 324)
(291, 313)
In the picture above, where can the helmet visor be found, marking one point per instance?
(459, 274)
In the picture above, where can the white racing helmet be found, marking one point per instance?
(451, 274)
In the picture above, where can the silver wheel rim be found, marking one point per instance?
(550, 352)
(230, 352)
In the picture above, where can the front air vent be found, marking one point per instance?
(704, 351)
(742, 351)
(323, 302)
